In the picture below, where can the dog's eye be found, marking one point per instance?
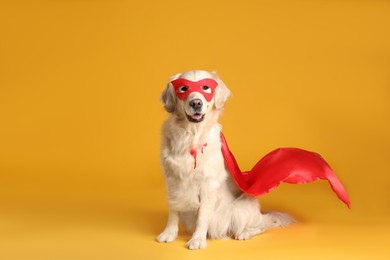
(206, 89)
(183, 89)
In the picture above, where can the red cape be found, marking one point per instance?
(291, 165)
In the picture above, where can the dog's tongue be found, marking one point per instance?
(196, 116)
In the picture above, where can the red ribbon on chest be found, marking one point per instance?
(194, 153)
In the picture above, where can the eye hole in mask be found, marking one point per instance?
(183, 89)
(206, 89)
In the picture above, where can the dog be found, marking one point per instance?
(202, 196)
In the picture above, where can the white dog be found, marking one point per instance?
(201, 193)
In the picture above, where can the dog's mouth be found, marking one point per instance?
(195, 118)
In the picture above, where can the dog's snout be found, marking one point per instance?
(196, 103)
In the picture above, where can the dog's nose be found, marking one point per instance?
(196, 103)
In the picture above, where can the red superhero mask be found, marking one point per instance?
(184, 87)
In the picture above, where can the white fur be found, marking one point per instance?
(205, 199)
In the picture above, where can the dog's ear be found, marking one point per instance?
(168, 97)
(221, 94)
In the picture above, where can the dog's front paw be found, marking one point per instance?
(196, 243)
(167, 236)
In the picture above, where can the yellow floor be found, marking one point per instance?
(126, 229)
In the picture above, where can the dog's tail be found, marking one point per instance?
(276, 219)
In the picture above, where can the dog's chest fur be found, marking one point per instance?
(188, 174)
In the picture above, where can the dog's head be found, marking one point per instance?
(194, 94)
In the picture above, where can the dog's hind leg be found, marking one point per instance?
(248, 221)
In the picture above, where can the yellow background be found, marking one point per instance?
(80, 121)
